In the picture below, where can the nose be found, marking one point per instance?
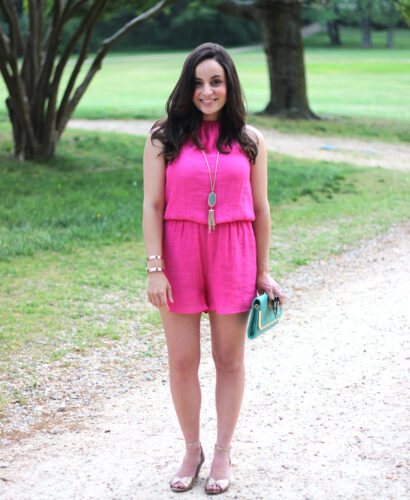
(207, 90)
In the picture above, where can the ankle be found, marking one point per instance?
(222, 448)
(193, 447)
(193, 444)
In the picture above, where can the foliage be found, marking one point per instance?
(32, 65)
(183, 26)
(382, 13)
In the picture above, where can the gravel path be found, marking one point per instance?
(325, 414)
(356, 151)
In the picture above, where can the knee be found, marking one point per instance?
(227, 362)
(183, 367)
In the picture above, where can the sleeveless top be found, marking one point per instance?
(187, 183)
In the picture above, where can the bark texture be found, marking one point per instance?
(332, 28)
(281, 26)
(366, 32)
(32, 68)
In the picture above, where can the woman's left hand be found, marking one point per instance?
(265, 283)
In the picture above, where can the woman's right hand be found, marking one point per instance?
(159, 290)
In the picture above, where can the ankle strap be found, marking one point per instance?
(194, 443)
(219, 448)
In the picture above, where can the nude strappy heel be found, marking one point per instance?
(222, 484)
(188, 481)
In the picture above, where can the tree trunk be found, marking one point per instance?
(390, 26)
(37, 118)
(281, 24)
(390, 37)
(366, 32)
(333, 31)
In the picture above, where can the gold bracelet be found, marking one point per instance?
(154, 257)
(154, 269)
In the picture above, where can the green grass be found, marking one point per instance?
(71, 279)
(390, 131)
(77, 221)
(91, 191)
(351, 39)
(348, 82)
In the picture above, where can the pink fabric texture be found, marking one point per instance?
(210, 272)
(188, 185)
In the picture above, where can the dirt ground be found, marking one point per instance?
(326, 409)
(325, 414)
(364, 153)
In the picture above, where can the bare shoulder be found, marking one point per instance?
(255, 134)
(154, 143)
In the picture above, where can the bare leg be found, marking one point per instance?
(183, 342)
(228, 346)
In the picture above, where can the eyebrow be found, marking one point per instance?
(213, 76)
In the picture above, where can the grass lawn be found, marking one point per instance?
(351, 83)
(71, 253)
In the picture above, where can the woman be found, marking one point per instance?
(207, 231)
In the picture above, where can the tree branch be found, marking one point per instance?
(75, 8)
(88, 23)
(66, 111)
(50, 52)
(238, 9)
(5, 42)
(34, 39)
(11, 15)
(12, 32)
(4, 57)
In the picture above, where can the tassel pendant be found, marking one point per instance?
(211, 219)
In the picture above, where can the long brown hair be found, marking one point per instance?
(184, 119)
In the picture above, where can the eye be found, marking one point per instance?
(217, 81)
(197, 83)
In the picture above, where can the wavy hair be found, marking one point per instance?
(184, 119)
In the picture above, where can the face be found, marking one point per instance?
(210, 88)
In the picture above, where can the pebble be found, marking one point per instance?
(313, 400)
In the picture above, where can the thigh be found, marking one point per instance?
(182, 332)
(228, 332)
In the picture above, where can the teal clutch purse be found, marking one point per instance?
(264, 315)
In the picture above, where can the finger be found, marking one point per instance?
(161, 299)
(169, 293)
(282, 297)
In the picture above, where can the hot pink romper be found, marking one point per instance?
(209, 271)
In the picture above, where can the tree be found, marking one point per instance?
(331, 14)
(365, 7)
(32, 64)
(281, 27)
(387, 14)
(404, 8)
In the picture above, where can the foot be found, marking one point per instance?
(220, 473)
(189, 468)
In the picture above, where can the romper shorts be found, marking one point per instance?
(210, 271)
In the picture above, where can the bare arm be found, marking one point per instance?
(262, 223)
(153, 218)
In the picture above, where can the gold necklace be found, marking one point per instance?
(212, 194)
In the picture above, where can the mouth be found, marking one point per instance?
(207, 101)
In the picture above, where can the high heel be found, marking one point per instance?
(222, 484)
(188, 481)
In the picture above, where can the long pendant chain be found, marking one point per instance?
(212, 194)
